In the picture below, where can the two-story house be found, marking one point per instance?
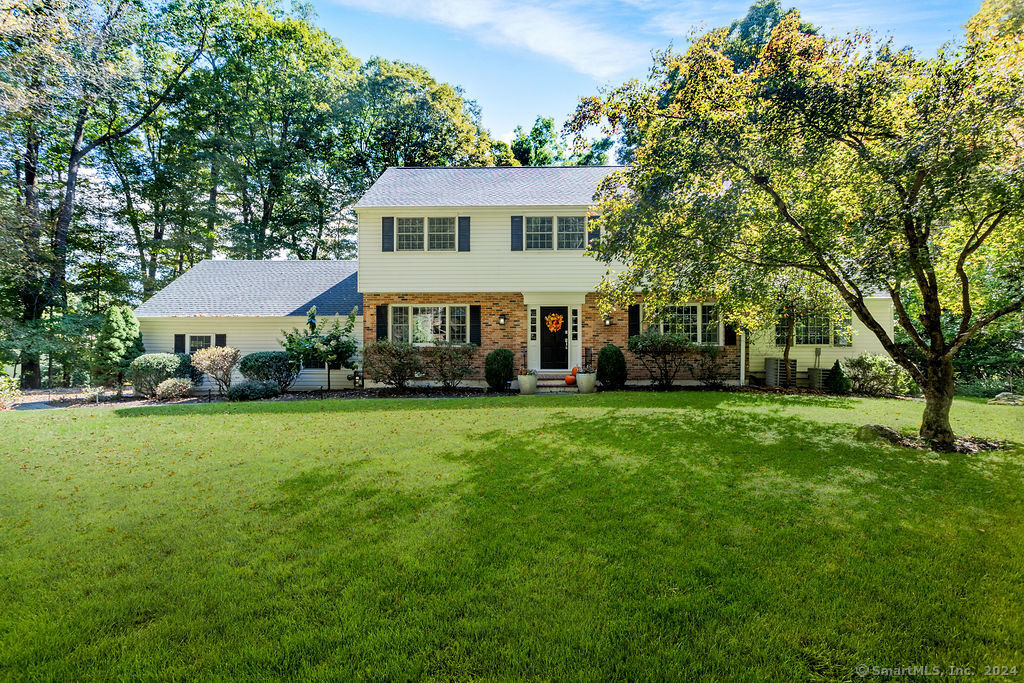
(490, 256)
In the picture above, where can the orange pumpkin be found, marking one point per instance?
(570, 380)
(575, 370)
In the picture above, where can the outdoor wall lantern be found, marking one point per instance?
(607, 319)
(501, 318)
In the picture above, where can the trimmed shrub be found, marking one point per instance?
(877, 376)
(148, 370)
(250, 390)
(611, 367)
(450, 362)
(498, 368)
(218, 362)
(662, 355)
(118, 343)
(173, 388)
(982, 387)
(837, 382)
(274, 366)
(9, 392)
(394, 363)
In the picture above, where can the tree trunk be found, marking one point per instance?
(790, 329)
(938, 399)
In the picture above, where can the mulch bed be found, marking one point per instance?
(963, 444)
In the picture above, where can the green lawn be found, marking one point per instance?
(626, 535)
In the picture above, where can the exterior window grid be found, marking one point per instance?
(423, 325)
(538, 232)
(575, 324)
(810, 330)
(571, 232)
(709, 325)
(533, 324)
(409, 234)
(441, 234)
(199, 341)
(684, 320)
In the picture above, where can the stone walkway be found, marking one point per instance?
(34, 405)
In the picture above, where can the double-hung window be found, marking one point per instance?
(441, 234)
(811, 330)
(539, 232)
(572, 232)
(698, 323)
(199, 341)
(423, 325)
(409, 234)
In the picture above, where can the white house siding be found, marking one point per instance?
(248, 335)
(489, 266)
(761, 344)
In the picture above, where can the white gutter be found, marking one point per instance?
(743, 357)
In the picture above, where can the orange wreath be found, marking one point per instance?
(554, 321)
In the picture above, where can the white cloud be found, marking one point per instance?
(565, 30)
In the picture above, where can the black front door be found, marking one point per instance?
(554, 344)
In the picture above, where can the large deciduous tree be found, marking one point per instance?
(871, 169)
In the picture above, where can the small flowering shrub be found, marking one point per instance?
(173, 388)
(218, 362)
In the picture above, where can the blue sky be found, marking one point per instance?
(521, 58)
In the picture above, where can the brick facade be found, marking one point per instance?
(595, 334)
(513, 334)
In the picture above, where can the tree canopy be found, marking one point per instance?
(869, 168)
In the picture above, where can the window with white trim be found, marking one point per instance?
(424, 324)
(533, 324)
(441, 234)
(810, 330)
(572, 232)
(199, 341)
(409, 234)
(539, 232)
(699, 323)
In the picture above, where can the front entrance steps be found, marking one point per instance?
(554, 383)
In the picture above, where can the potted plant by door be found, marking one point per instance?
(586, 380)
(527, 381)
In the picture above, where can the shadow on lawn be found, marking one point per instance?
(624, 399)
(628, 545)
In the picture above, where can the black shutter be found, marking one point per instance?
(220, 340)
(382, 322)
(179, 343)
(634, 320)
(593, 236)
(517, 233)
(730, 335)
(463, 233)
(387, 233)
(474, 325)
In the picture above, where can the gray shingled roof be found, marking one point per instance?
(258, 288)
(490, 186)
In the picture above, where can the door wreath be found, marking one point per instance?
(554, 321)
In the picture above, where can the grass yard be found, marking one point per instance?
(627, 535)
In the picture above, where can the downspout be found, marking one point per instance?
(743, 357)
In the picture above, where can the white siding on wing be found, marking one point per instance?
(248, 335)
(489, 266)
(762, 342)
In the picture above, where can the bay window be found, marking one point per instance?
(698, 323)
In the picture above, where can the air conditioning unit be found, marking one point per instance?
(816, 378)
(775, 372)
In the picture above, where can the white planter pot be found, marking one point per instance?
(587, 382)
(527, 384)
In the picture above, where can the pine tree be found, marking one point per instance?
(117, 345)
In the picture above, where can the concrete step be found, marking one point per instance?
(557, 389)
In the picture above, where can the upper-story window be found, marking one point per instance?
(409, 234)
(539, 231)
(572, 232)
(441, 234)
(438, 236)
